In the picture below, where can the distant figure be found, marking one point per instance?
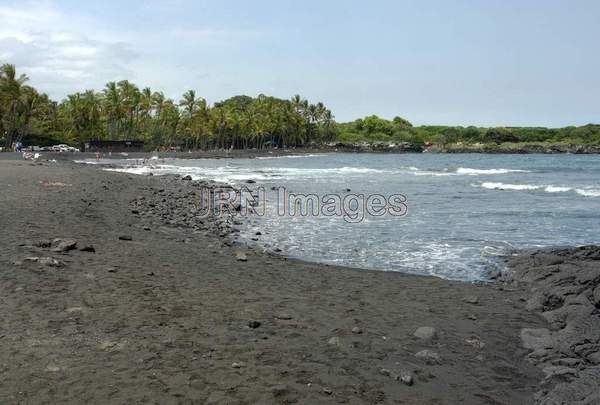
(19, 146)
(97, 156)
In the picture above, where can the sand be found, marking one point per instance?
(163, 313)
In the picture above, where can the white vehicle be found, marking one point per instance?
(63, 148)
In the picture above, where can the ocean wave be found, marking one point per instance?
(512, 187)
(557, 189)
(475, 172)
(290, 156)
(585, 192)
(461, 171)
(588, 192)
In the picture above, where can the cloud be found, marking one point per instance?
(60, 61)
(63, 52)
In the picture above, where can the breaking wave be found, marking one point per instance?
(585, 192)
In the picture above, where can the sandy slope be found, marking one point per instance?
(163, 318)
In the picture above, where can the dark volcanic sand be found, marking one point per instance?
(164, 318)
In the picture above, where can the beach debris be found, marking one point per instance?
(430, 357)
(187, 178)
(357, 330)
(471, 299)
(125, 237)
(63, 245)
(283, 317)
(327, 391)
(241, 257)
(71, 310)
(425, 333)
(472, 317)
(252, 324)
(88, 248)
(406, 378)
(237, 365)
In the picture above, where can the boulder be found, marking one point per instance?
(429, 357)
(425, 333)
(63, 245)
(253, 324)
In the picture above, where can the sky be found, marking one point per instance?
(446, 62)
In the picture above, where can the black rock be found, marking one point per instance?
(187, 178)
(253, 324)
(88, 248)
(250, 181)
(125, 237)
(64, 245)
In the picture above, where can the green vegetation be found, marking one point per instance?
(124, 111)
(374, 129)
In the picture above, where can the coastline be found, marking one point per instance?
(171, 314)
(340, 147)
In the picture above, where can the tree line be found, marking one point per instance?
(374, 129)
(123, 111)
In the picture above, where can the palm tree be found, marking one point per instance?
(112, 108)
(12, 88)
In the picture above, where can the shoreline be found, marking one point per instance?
(376, 148)
(180, 304)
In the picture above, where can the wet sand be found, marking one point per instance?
(164, 313)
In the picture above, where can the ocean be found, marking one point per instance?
(463, 211)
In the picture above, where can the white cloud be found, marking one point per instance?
(63, 52)
(59, 61)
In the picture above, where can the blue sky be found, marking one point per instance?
(450, 62)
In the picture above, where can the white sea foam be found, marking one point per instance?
(585, 192)
(289, 156)
(461, 171)
(475, 172)
(512, 187)
(557, 189)
(588, 192)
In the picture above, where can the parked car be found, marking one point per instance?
(62, 148)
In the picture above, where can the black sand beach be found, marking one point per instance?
(154, 311)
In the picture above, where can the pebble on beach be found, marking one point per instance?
(425, 333)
